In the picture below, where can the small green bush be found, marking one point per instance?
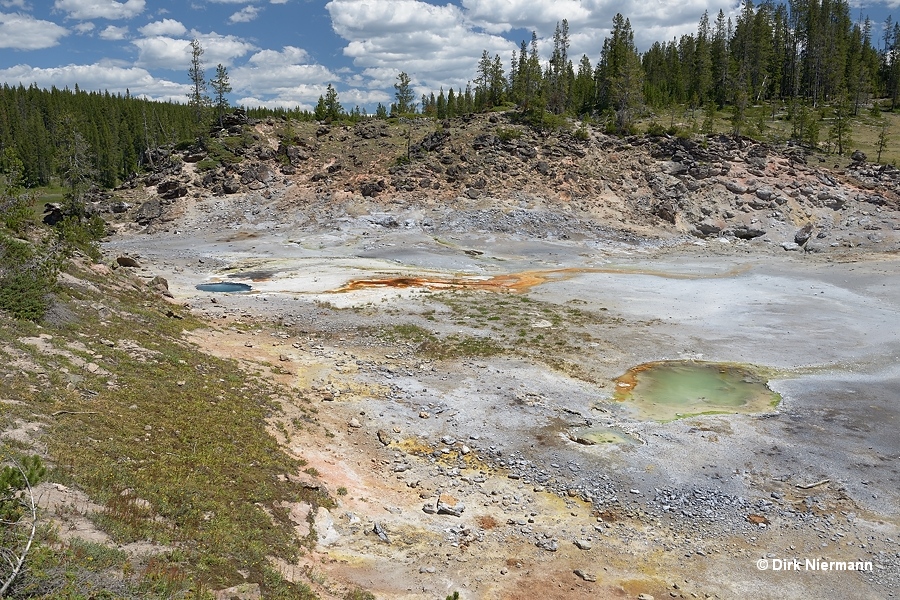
(507, 134)
(25, 296)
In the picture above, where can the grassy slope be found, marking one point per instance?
(171, 442)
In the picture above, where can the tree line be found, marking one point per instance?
(796, 57)
(37, 126)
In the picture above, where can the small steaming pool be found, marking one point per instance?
(668, 390)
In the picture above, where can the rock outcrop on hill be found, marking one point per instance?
(704, 186)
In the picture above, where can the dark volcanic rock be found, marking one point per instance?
(802, 236)
(127, 261)
(231, 186)
(748, 232)
(148, 211)
(371, 189)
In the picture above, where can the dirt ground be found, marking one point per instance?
(692, 508)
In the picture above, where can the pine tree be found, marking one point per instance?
(582, 101)
(620, 75)
(451, 103)
(840, 132)
(701, 80)
(558, 81)
(497, 85)
(719, 60)
(197, 99)
(483, 82)
(404, 94)
(441, 105)
(221, 88)
(75, 166)
(332, 106)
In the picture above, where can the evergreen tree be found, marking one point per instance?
(719, 60)
(840, 133)
(582, 97)
(620, 75)
(333, 108)
(483, 81)
(531, 78)
(197, 99)
(497, 83)
(321, 110)
(75, 166)
(452, 103)
(441, 104)
(221, 88)
(701, 77)
(558, 81)
(404, 94)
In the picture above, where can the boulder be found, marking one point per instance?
(748, 232)
(735, 187)
(149, 210)
(803, 234)
(127, 261)
(231, 186)
(674, 168)
(709, 227)
(370, 189)
(765, 193)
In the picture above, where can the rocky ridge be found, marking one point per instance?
(487, 173)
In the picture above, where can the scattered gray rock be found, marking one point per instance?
(585, 575)
(378, 530)
(803, 234)
(445, 509)
(748, 232)
(735, 187)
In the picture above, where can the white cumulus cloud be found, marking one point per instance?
(287, 78)
(171, 53)
(98, 77)
(111, 32)
(164, 27)
(100, 9)
(245, 15)
(435, 45)
(24, 32)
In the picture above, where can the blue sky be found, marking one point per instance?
(285, 52)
